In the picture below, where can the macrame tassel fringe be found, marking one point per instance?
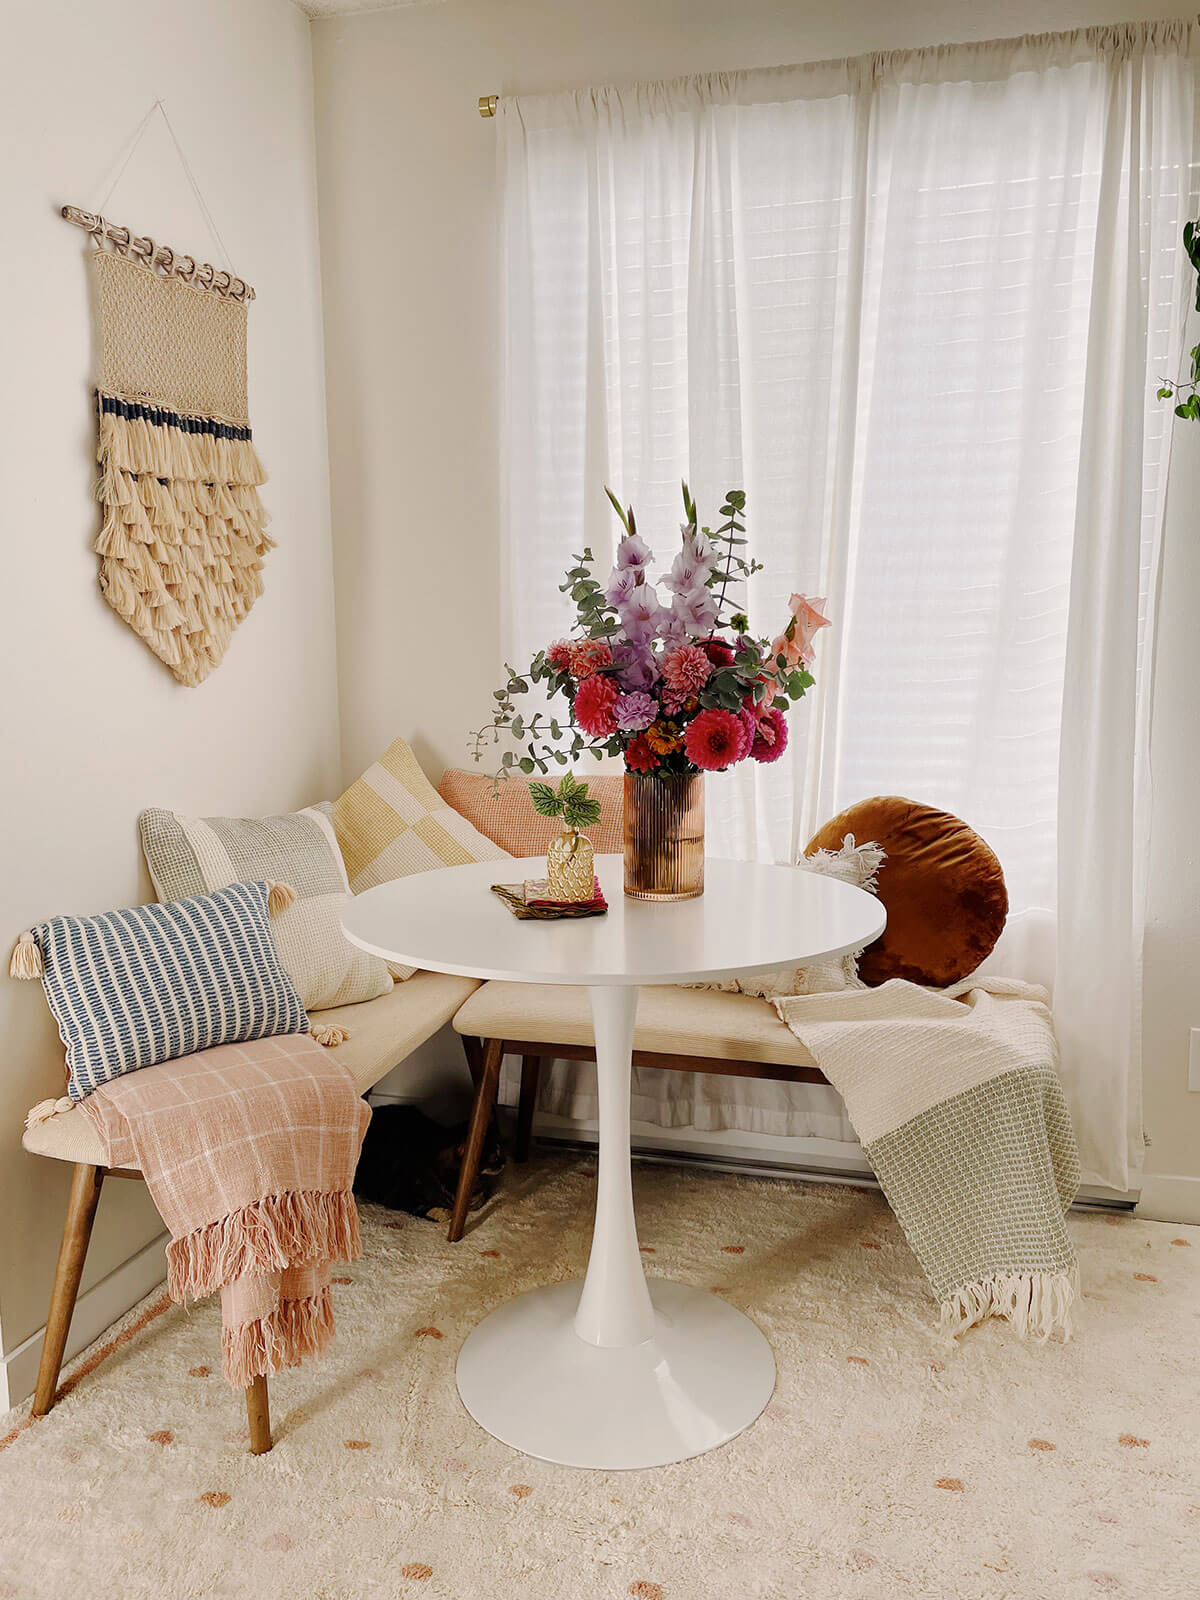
(278, 1231)
(45, 1109)
(26, 959)
(293, 1331)
(329, 1034)
(1037, 1304)
(279, 897)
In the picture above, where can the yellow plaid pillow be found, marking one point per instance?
(393, 822)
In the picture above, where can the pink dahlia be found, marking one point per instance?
(595, 700)
(639, 757)
(686, 669)
(715, 740)
(559, 655)
(588, 656)
(770, 735)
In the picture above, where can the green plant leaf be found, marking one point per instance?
(545, 802)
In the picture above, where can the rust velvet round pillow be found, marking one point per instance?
(941, 886)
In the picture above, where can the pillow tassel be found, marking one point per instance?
(45, 1109)
(279, 897)
(26, 958)
(329, 1034)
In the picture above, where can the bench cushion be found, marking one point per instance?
(670, 1021)
(382, 1032)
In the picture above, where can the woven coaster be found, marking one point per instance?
(513, 895)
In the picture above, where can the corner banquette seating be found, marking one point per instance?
(943, 891)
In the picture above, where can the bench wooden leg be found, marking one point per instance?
(258, 1414)
(531, 1071)
(473, 1050)
(77, 1231)
(481, 1116)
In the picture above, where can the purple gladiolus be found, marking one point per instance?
(622, 581)
(635, 665)
(693, 566)
(634, 553)
(635, 712)
(697, 610)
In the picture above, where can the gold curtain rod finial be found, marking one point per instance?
(487, 105)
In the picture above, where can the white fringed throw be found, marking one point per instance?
(956, 1099)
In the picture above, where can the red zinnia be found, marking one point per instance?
(715, 740)
(559, 655)
(770, 736)
(594, 701)
(718, 651)
(638, 755)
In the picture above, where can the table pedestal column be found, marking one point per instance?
(616, 1372)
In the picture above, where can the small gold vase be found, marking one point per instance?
(570, 866)
(664, 836)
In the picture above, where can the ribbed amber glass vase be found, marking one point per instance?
(664, 836)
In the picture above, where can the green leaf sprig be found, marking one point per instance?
(569, 801)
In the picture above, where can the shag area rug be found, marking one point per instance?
(889, 1463)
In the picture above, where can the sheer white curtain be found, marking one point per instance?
(915, 305)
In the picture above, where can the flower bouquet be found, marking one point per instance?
(673, 683)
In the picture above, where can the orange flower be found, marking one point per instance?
(663, 737)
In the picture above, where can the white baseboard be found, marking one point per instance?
(97, 1309)
(1167, 1198)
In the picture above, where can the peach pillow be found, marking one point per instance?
(506, 815)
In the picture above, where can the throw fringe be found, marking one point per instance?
(278, 1231)
(329, 1034)
(45, 1109)
(279, 897)
(1038, 1304)
(26, 958)
(294, 1330)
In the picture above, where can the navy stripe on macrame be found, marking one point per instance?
(160, 417)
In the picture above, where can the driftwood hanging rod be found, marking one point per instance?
(170, 262)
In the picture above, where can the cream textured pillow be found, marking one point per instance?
(392, 823)
(195, 855)
(858, 864)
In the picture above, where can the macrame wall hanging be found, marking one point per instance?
(183, 537)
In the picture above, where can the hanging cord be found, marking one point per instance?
(138, 135)
(172, 262)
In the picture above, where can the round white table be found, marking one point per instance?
(616, 1372)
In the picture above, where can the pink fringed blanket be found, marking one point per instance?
(249, 1153)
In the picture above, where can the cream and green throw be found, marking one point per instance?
(955, 1096)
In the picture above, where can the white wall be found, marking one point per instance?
(408, 206)
(92, 727)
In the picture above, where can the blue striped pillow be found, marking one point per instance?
(132, 988)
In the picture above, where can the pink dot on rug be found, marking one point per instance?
(1186, 1243)
(519, 1491)
(1040, 1444)
(740, 1518)
(428, 1333)
(1132, 1442)
(1105, 1580)
(869, 1244)
(416, 1569)
(862, 1560)
(955, 1484)
(1145, 1277)
(644, 1590)
(277, 1541)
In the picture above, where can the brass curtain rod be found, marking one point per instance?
(172, 262)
